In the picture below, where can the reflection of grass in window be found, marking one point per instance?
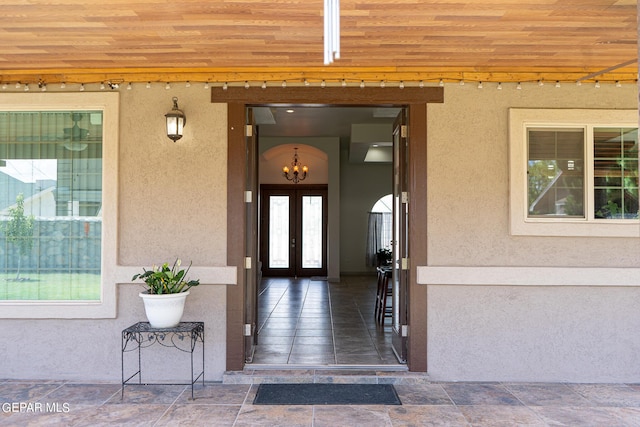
(52, 286)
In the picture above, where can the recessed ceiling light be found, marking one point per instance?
(289, 111)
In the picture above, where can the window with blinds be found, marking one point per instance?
(615, 173)
(573, 172)
(50, 205)
(556, 173)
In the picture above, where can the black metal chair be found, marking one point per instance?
(383, 295)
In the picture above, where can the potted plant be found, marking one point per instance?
(167, 290)
(384, 256)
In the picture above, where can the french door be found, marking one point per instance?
(400, 252)
(251, 239)
(293, 232)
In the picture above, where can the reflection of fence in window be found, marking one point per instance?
(60, 245)
(53, 159)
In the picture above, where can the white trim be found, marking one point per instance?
(93, 310)
(109, 104)
(520, 224)
(206, 275)
(528, 276)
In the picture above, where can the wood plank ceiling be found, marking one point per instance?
(88, 41)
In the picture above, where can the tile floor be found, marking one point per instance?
(312, 322)
(49, 403)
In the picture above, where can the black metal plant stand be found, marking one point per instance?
(183, 337)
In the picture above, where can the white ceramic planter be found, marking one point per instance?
(164, 311)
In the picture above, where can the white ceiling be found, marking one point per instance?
(323, 121)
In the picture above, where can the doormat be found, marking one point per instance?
(326, 394)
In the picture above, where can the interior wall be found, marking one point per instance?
(362, 185)
(273, 159)
(479, 332)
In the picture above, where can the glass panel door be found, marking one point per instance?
(279, 231)
(294, 236)
(311, 231)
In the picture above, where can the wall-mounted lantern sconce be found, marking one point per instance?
(175, 121)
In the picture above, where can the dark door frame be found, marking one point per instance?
(415, 100)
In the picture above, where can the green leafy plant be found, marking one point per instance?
(384, 256)
(166, 280)
(609, 210)
(19, 230)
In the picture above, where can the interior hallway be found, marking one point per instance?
(308, 321)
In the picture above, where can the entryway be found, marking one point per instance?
(241, 309)
(306, 326)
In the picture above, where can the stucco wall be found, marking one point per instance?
(508, 332)
(172, 195)
(89, 350)
(469, 179)
(172, 199)
(171, 203)
(555, 334)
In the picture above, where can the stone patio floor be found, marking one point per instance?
(424, 403)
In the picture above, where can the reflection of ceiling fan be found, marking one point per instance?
(75, 134)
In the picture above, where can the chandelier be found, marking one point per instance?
(296, 175)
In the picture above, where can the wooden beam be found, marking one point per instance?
(330, 95)
(336, 76)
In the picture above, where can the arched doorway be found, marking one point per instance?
(293, 214)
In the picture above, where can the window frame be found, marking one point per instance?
(520, 119)
(108, 103)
